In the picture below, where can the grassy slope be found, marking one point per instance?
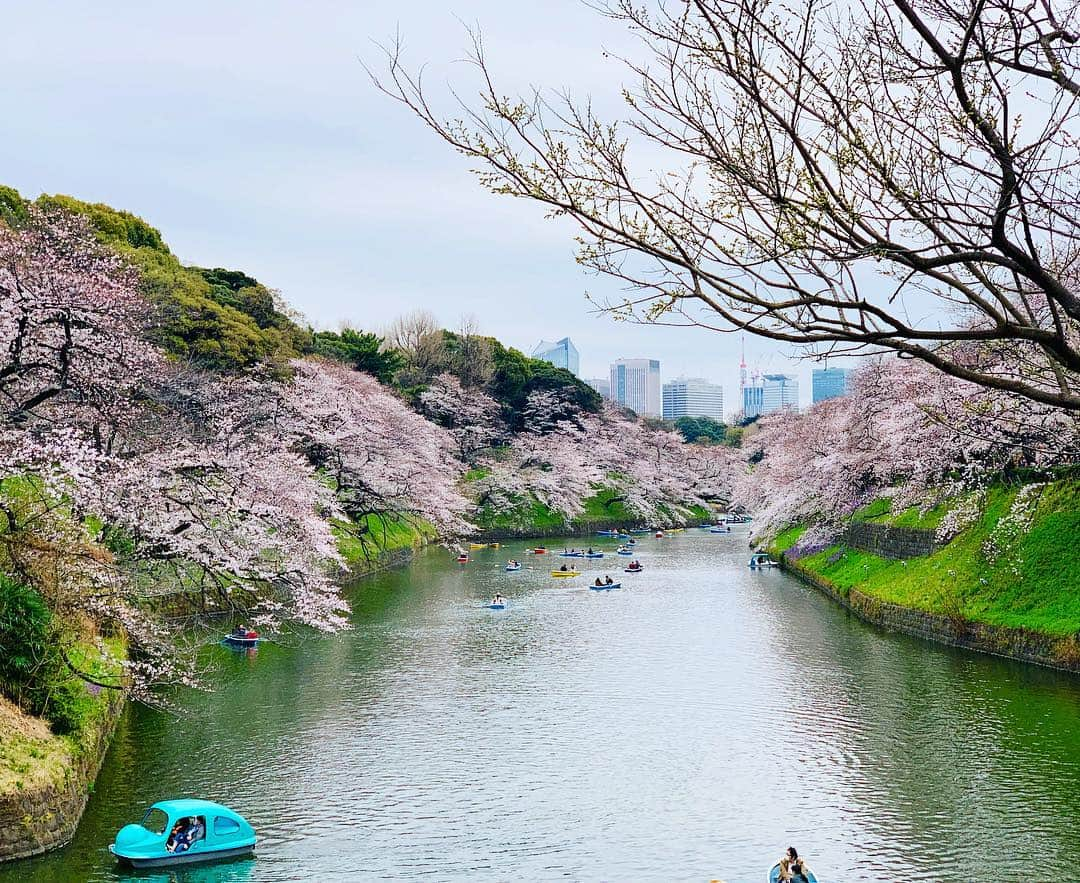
(379, 536)
(30, 754)
(1036, 587)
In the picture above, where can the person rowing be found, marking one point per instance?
(498, 599)
(564, 567)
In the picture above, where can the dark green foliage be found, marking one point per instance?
(24, 640)
(13, 207)
(362, 350)
(516, 375)
(231, 279)
(33, 673)
(701, 429)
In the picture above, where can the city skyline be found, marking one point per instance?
(286, 161)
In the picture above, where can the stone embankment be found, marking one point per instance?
(885, 541)
(1014, 643)
(44, 813)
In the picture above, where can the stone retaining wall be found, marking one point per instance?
(35, 820)
(886, 541)
(1014, 643)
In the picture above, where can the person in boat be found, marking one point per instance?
(564, 567)
(590, 550)
(784, 874)
(498, 599)
(174, 836)
(796, 866)
(240, 631)
(598, 582)
(608, 581)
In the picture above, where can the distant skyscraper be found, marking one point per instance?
(635, 384)
(561, 354)
(693, 397)
(829, 383)
(601, 384)
(775, 392)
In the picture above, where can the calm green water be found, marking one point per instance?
(686, 727)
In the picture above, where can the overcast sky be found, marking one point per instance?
(249, 133)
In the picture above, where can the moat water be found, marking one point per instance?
(688, 726)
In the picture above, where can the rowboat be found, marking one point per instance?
(510, 568)
(183, 832)
(540, 550)
(622, 551)
(594, 554)
(566, 573)
(607, 533)
(659, 534)
(247, 639)
(760, 560)
(606, 586)
(774, 875)
(463, 559)
(477, 545)
(633, 569)
(719, 530)
(571, 554)
(496, 606)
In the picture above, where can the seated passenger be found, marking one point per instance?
(564, 567)
(598, 582)
(797, 865)
(609, 580)
(174, 834)
(785, 871)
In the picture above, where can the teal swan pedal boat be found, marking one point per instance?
(808, 876)
(183, 832)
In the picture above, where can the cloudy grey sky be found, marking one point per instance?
(249, 133)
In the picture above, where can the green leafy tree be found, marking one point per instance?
(362, 350)
(701, 429)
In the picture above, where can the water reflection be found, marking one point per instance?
(688, 726)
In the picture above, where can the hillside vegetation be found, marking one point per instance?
(1017, 563)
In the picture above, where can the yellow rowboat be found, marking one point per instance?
(566, 573)
(485, 545)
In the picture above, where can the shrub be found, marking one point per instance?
(24, 641)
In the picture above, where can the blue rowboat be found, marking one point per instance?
(605, 587)
(571, 554)
(183, 832)
(594, 554)
(774, 875)
(249, 639)
(510, 568)
(607, 533)
(624, 551)
(496, 606)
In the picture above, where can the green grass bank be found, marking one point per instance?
(1007, 583)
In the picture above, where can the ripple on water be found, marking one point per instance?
(687, 726)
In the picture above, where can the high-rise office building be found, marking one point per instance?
(773, 392)
(693, 397)
(601, 384)
(828, 383)
(635, 384)
(561, 354)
